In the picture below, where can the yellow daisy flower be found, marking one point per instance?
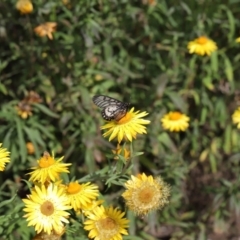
(106, 224)
(236, 117)
(46, 209)
(175, 121)
(46, 29)
(48, 169)
(127, 127)
(4, 157)
(24, 6)
(121, 150)
(81, 195)
(90, 207)
(238, 40)
(202, 46)
(144, 194)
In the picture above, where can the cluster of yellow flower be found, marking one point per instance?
(143, 193)
(50, 199)
(47, 204)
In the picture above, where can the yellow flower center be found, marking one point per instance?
(128, 117)
(107, 228)
(74, 187)
(107, 224)
(47, 208)
(202, 40)
(46, 161)
(146, 195)
(175, 116)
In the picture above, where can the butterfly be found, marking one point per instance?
(112, 109)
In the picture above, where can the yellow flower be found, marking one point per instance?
(80, 195)
(118, 151)
(144, 194)
(48, 169)
(90, 207)
(30, 148)
(202, 46)
(46, 209)
(106, 224)
(98, 77)
(127, 127)
(236, 117)
(4, 157)
(238, 40)
(175, 121)
(24, 109)
(46, 29)
(24, 6)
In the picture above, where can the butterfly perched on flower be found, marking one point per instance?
(112, 109)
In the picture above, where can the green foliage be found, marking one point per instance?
(136, 52)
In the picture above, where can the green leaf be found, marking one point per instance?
(228, 69)
(21, 140)
(45, 110)
(6, 202)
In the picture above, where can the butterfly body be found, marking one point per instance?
(112, 109)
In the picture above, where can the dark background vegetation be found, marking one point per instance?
(134, 51)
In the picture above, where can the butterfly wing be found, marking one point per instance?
(104, 101)
(114, 112)
(112, 108)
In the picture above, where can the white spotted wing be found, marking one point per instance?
(112, 109)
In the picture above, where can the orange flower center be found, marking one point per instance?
(175, 116)
(128, 117)
(202, 40)
(46, 161)
(146, 195)
(73, 188)
(47, 208)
